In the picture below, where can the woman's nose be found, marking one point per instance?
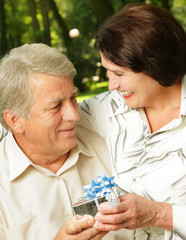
(113, 84)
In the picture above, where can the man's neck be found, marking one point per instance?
(53, 161)
(52, 165)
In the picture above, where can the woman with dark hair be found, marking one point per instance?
(143, 121)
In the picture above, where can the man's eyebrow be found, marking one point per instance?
(75, 90)
(61, 98)
(56, 100)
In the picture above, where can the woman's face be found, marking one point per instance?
(138, 89)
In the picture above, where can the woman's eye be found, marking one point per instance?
(118, 74)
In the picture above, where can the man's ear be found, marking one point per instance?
(14, 122)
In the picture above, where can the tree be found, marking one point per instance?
(61, 23)
(102, 8)
(35, 23)
(44, 5)
(49, 21)
(3, 45)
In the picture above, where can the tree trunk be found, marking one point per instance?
(165, 4)
(14, 38)
(125, 2)
(35, 23)
(3, 45)
(61, 23)
(46, 23)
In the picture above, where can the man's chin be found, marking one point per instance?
(70, 144)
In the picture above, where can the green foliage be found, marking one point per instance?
(18, 23)
(179, 11)
(95, 89)
(76, 14)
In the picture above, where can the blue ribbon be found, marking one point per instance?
(99, 187)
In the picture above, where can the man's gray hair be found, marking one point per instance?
(18, 66)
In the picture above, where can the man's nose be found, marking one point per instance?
(71, 113)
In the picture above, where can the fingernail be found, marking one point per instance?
(105, 204)
(95, 225)
(90, 221)
(99, 213)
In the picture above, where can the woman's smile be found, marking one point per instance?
(127, 94)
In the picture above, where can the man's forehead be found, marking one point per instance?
(49, 89)
(74, 91)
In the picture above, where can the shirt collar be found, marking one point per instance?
(183, 97)
(116, 99)
(19, 162)
(74, 156)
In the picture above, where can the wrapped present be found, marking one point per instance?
(101, 189)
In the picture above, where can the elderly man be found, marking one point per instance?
(43, 165)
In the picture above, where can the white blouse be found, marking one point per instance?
(152, 165)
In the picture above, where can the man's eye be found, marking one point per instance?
(73, 99)
(57, 106)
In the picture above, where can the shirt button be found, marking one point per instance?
(58, 179)
(148, 149)
(66, 213)
(138, 179)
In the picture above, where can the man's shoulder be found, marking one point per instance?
(90, 138)
(96, 160)
(94, 144)
(4, 163)
(3, 132)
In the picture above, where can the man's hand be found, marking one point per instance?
(134, 212)
(75, 229)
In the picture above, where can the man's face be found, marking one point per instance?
(51, 129)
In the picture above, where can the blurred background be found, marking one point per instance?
(69, 25)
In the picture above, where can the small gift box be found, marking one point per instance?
(101, 189)
(89, 207)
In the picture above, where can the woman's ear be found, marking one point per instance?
(13, 122)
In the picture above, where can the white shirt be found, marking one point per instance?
(152, 165)
(3, 132)
(35, 202)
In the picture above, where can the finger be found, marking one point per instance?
(106, 208)
(89, 233)
(99, 236)
(108, 227)
(111, 219)
(77, 225)
(82, 216)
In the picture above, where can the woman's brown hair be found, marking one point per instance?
(146, 39)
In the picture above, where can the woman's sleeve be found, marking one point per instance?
(179, 221)
(2, 233)
(94, 114)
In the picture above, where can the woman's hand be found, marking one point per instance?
(75, 229)
(134, 212)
